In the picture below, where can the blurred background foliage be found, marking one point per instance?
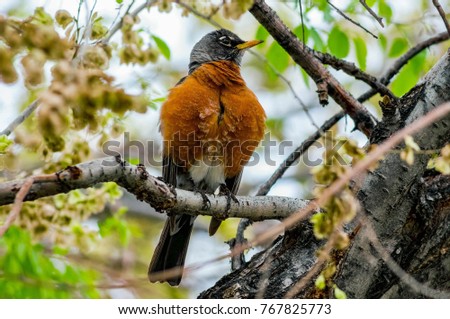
(95, 87)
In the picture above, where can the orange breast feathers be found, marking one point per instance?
(212, 114)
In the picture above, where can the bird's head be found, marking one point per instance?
(219, 45)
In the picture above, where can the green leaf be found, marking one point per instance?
(117, 227)
(29, 271)
(119, 1)
(112, 189)
(155, 103)
(338, 43)
(385, 10)
(361, 52)
(298, 31)
(321, 4)
(134, 160)
(324, 7)
(305, 77)
(399, 45)
(277, 57)
(370, 3)
(409, 75)
(162, 46)
(60, 200)
(418, 63)
(261, 33)
(98, 30)
(4, 143)
(319, 45)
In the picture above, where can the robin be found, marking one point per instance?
(211, 123)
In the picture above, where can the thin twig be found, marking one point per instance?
(84, 42)
(77, 21)
(404, 59)
(135, 12)
(19, 199)
(350, 19)
(129, 7)
(442, 14)
(17, 206)
(19, 120)
(372, 13)
(301, 20)
(119, 8)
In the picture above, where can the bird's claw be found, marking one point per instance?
(225, 191)
(206, 201)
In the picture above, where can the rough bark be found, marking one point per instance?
(408, 209)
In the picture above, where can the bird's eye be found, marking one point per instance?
(226, 41)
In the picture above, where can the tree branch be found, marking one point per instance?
(151, 190)
(352, 70)
(303, 57)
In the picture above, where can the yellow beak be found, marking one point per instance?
(248, 44)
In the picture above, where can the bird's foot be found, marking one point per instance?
(225, 191)
(206, 201)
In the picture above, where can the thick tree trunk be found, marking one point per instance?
(407, 207)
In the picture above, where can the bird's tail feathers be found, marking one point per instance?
(170, 253)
